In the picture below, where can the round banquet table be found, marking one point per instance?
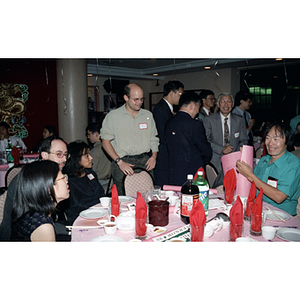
(84, 234)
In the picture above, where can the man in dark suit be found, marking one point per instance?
(186, 141)
(214, 127)
(162, 112)
(208, 102)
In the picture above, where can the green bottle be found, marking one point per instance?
(203, 190)
(8, 149)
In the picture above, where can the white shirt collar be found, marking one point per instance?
(170, 105)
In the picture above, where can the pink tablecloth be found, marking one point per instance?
(84, 235)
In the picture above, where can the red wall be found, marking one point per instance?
(42, 97)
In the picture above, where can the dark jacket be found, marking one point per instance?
(187, 147)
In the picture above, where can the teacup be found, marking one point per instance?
(268, 232)
(105, 201)
(110, 227)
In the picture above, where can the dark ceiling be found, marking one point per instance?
(145, 68)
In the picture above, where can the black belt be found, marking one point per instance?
(138, 156)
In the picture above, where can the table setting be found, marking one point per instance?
(225, 222)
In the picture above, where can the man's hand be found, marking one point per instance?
(151, 163)
(125, 167)
(227, 149)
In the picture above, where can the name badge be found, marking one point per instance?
(143, 126)
(90, 176)
(236, 135)
(272, 182)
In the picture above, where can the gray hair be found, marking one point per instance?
(225, 94)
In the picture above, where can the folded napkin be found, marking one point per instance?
(236, 212)
(197, 215)
(229, 183)
(115, 204)
(256, 220)
(250, 200)
(196, 175)
(16, 155)
(140, 215)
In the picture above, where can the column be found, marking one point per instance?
(72, 98)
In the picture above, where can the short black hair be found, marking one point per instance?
(51, 129)
(76, 149)
(203, 94)
(188, 97)
(35, 192)
(4, 124)
(173, 85)
(297, 140)
(46, 144)
(93, 127)
(285, 130)
(242, 95)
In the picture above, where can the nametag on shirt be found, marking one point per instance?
(90, 176)
(272, 182)
(236, 135)
(143, 126)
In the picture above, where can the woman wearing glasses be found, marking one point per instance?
(85, 189)
(41, 186)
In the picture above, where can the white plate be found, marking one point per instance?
(125, 199)
(158, 230)
(107, 238)
(289, 234)
(272, 217)
(93, 213)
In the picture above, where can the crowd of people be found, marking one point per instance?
(168, 143)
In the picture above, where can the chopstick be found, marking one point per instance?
(275, 214)
(83, 227)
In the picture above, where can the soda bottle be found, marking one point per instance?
(189, 196)
(20, 149)
(8, 149)
(203, 190)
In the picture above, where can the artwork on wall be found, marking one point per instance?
(13, 107)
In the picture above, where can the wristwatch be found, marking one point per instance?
(117, 160)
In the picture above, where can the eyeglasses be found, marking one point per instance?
(65, 177)
(210, 98)
(61, 155)
(138, 99)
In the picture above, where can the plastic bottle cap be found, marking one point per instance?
(200, 172)
(190, 176)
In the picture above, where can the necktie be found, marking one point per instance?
(226, 133)
(209, 113)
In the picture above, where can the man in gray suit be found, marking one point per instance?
(222, 143)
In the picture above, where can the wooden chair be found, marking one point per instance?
(138, 182)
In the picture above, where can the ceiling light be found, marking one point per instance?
(90, 75)
(155, 74)
(278, 59)
(207, 68)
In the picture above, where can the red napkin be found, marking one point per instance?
(115, 204)
(196, 175)
(256, 220)
(229, 183)
(140, 215)
(16, 155)
(250, 200)
(236, 219)
(197, 215)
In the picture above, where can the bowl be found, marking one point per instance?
(268, 232)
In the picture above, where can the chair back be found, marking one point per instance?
(138, 182)
(2, 203)
(11, 173)
(211, 174)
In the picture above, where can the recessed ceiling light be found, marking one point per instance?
(90, 75)
(155, 74)
(278, 59)
(207, 68)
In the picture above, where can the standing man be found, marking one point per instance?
(186, 141)
(129, 137)
(52, 148)
(162, 112)
(226, 132)
(208, 102)
(243, 101)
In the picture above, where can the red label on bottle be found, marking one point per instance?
(187, 203)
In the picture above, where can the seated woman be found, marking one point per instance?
(48, 130)
(85, 189)
(41, 185)
(277, 173)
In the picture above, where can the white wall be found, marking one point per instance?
(227, 80)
